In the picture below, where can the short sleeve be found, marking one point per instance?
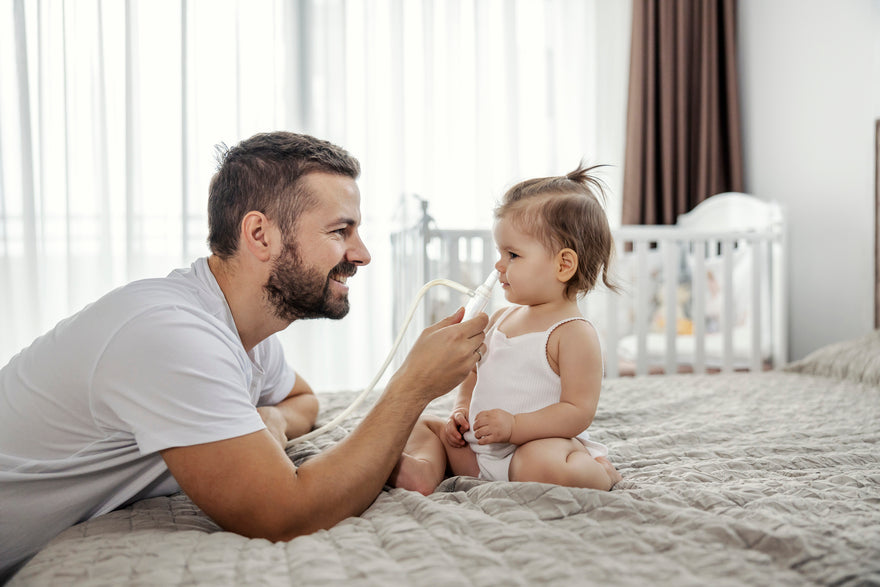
(278, 377)
(174, 377)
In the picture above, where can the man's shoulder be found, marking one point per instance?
(159, 307)
(149, 295)
(165, 305)
(156, 330)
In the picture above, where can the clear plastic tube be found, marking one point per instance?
(483, 292)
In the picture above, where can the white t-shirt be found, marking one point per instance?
(86, 407)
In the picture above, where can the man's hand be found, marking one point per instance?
(275, 422)
(443, 356)
(294, 415)
(455, 427)
(493, 426)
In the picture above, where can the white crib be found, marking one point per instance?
(723, 264)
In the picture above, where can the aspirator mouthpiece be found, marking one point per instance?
(481, 298)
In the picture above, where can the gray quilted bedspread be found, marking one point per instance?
(740, 479)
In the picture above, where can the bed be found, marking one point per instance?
(759, 478)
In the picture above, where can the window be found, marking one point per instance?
(109, 113)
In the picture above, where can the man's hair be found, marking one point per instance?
(263, 174)
(566, 212)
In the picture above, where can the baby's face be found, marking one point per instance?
(527, 271)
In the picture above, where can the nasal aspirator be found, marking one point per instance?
(481, 298)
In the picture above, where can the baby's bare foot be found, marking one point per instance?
(613, 474)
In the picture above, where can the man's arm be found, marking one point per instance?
(248, 484)
(294, 415)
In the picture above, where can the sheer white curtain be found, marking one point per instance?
(109, 113)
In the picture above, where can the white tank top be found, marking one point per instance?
(514, 376)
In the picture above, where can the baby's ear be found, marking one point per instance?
(566, 265)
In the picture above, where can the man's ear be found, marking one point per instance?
(566, 264)
(256, 235)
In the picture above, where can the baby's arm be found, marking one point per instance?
(458, 424)
(574, 349)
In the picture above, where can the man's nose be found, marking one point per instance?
(358, 254)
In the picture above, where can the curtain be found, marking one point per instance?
(683, 141)
(110, 111)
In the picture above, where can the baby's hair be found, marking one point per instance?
(566, 212)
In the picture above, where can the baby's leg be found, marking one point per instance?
(423, 464)
(563, 461)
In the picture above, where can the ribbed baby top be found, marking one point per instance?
(514, 376)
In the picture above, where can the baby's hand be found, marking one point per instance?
(456, 426)
(493, 426)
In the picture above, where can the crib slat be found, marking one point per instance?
(779, 287)
(427, 236)
(475, 259)
(698, 305)
(670, 274)
(728, 312)
(612, 369)
(488, 256)
(641, 250)
(612, 320)
(396, 285)
(454, 266)
(465, 257)
(755, 313)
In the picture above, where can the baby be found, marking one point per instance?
(522, 414)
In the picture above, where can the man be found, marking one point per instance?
(179, 383)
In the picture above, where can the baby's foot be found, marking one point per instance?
(413, 474)
(613, 474)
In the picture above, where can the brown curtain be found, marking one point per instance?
(683, 141)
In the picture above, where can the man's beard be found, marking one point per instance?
(298, 292)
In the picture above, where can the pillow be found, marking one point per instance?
(857, 360)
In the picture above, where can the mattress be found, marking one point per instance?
(766, 478)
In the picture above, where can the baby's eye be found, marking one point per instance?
(512, 255)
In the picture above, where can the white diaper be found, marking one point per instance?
(495, 466)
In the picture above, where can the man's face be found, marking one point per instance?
(308, 278)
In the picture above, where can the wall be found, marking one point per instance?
(809, 81)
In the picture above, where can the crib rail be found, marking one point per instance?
(733, 318)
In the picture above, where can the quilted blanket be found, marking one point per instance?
(739, 479)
